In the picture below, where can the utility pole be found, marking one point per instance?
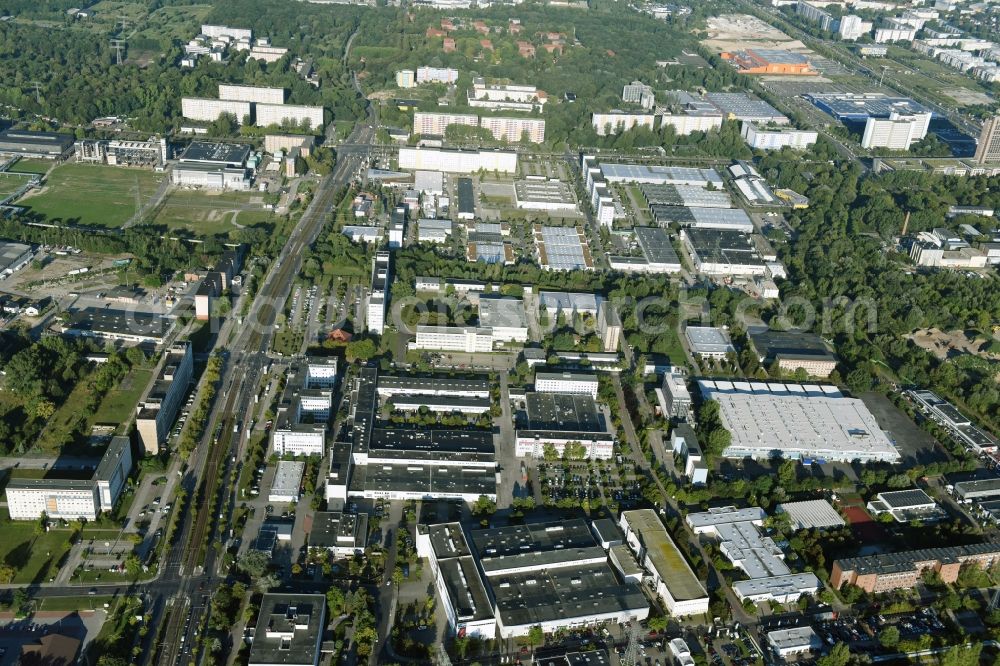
(38, 93)
(632, 651)
(882, 77)
(118, 45)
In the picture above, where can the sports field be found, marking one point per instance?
(92, 195)
(206, 213)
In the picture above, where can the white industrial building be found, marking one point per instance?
(287, 481)
(811, 514)
(429, 182)
(467, 339)
(569, 304)
(776, 138)
(279, 114)
(253, 94)
(457, 161)
(566, 382)
(557, 419)
(794, 641)
(669, 573)
(505, 317)
(536, 193)
(73, 499)
(207, 110)
(709, 342)
(897, 132)
(797, 421)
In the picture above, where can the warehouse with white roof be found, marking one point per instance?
(797, 422)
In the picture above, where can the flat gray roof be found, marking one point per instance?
(218, 154)
(708, 340)
(502, 312)
(562, 412)
(295, 623)
(656, 245)
(811, 514)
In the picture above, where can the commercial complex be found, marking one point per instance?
(220, 166)
(906, 505)
(670, 194)
(118, 152)
(111, 325)
(73, 499)
(543, 194)
(289, 630)
(287, 482)
(770, 62)
(304, 409)
(758, 556)
(468, 339)
(709, 342)
(670, 574)
(158, 408)
(895, 571)
(658, 254)
(797, 422)
(722, 252)
(776, 138)
(558, 419)
(505, 317)
(960, 426)
(457, 161)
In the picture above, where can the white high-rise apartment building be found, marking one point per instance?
(251, 94)
(436, 75)
(207, 110)
(897, 132)
(437, 123)
(278, 114)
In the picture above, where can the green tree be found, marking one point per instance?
(840, 655)
(254, 563)
(889, 637)
(535, 635)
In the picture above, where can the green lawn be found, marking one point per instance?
(11, 183)
(92, 195)
(119, 402)
(209, 213)
(34, 558)
(32, 165)
(80, 602)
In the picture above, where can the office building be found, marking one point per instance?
(287, 481)
(343, 534)
(677, 397)
(814, 14)
(658, 254)
(505, 317)
(73, 499)
(111, 325)
(207, 110)
(792, 351)
(304, 408)
(811, 515)
(566, 382)
(568, 304)
(684, 442)
(988, 147)
(48, 145)
(851, 27)
(252, 94)
(609, 327)
(433, 230)
(468, 339)
(310, 117)
(858, 107)
(616, 122)
(639, 93)
(799, 421)
(406, 78)
(897, 132)
(557, 419)
(457, 161)
(671, 575)
(379, 294)
(505, 97)
(289, 630)
(157, 410)
(226, 32)
(757, 555)
(776, 138)
(885, 572)
(213, 166)
(709, 342)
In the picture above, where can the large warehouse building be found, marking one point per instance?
(52, 145)
(457, 161)
(558, 419)
(797, 422)
(217, 166)
(504, 581)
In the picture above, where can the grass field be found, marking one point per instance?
(33, 557)
(209, 213)
(92, 195)
(118, 404)
(171, 23)
(83, 602)
(32, 165)
(11, 183)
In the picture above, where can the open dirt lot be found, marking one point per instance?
(730, 32)
(946, 344)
